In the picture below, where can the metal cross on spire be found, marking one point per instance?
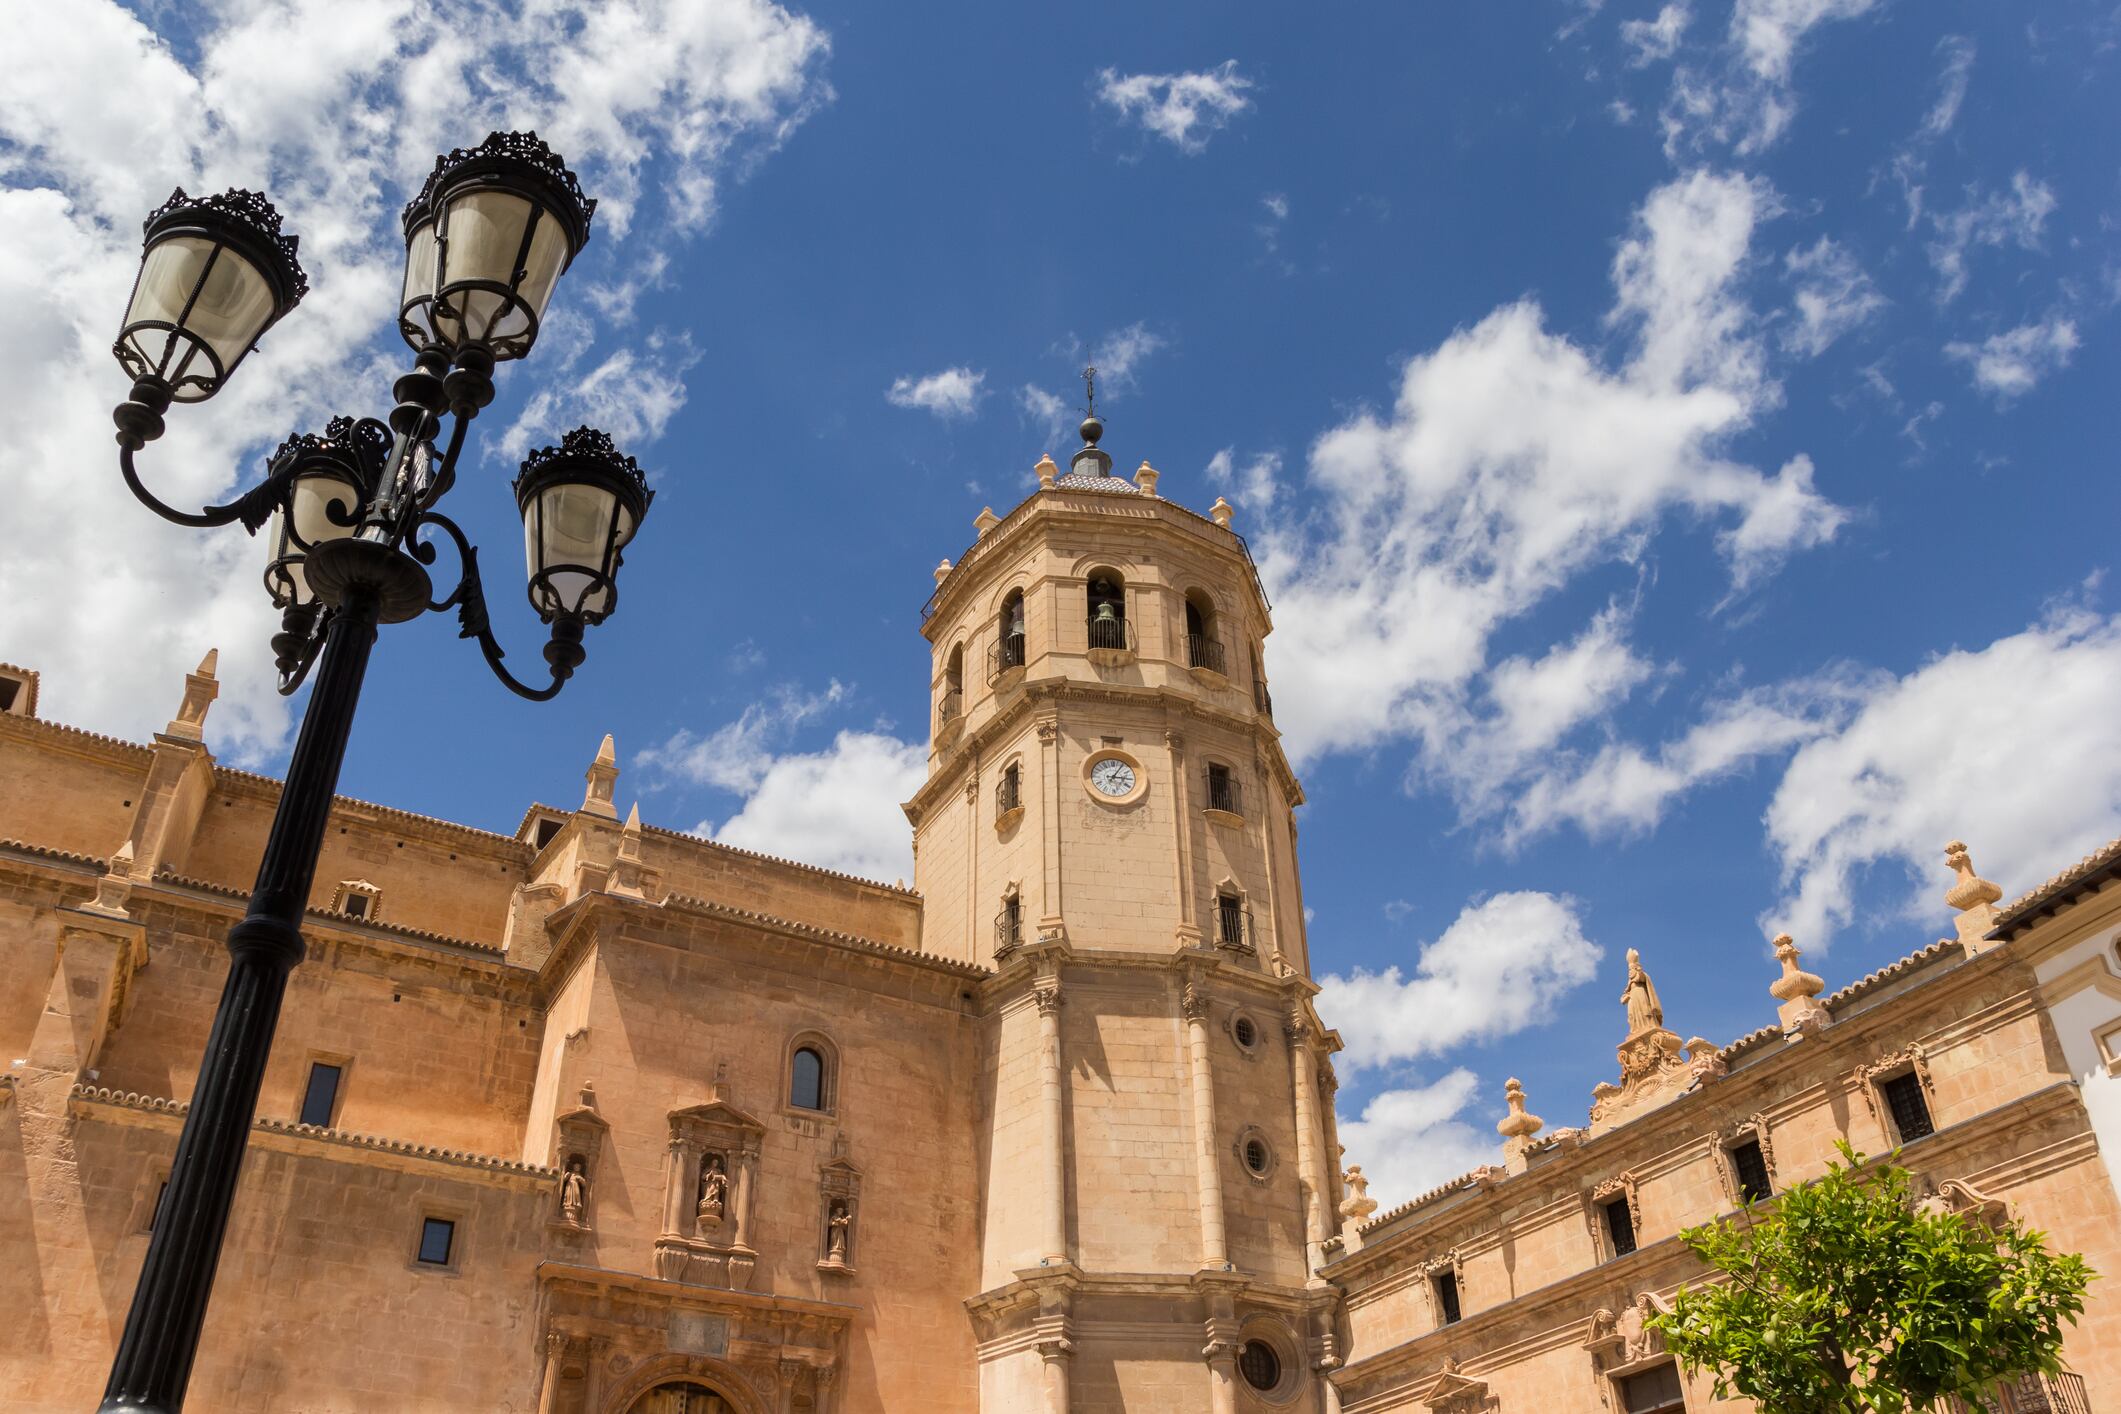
(1090, 391)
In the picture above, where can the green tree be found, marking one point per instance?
(1841, 1296)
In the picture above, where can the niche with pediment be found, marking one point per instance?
(709, 1182)
(581, 1132)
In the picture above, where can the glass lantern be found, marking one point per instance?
(333, 478)
(581, 502)
(215, 273)
(486, 240)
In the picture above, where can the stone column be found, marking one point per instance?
(822, 1380)
(1222, 1376)
(678, 1192)
(555, 1353)
(1214, 1251)
(1049, 789)
(1310, 1162)
(790, 1371)
(740, 1222)
(1047, 995)
(1182, 807)
(1054, 1354)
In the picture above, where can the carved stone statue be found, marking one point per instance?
(714, 1189)
(836, 1227)
(574, 1189)
(1644, 1010)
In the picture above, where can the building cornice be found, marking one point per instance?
(2087, 876)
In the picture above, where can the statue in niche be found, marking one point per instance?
(574, 1189)
(714, 1189)
(1644, 1011)
(836, 1225)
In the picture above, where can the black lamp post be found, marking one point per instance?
(486, 240)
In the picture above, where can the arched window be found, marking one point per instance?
(1203, 648)
(806, 1079)
(1107, 604)
(953, 703)
(1009, 653)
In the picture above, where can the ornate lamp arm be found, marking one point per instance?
(253, 508)
(563, 653)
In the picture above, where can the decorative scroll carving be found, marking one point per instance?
(1957, 1196)
(1047, 997)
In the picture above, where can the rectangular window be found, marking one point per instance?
(1620, 1227)
(1223, 793)
(356, 906)
(1751, 1167)
(1653, 1392)
(8, 688)
(1447, 1297)
(322, 1098)
(1911, 1112)
(438, 1236)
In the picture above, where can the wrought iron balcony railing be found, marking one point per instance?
(1007, 653)
(1009, 795)
(1233, 925)
(1263, 698)
(1110, 633)
(951, 707)
(1008, 928)
(2034, 1394)
(1225, 793)
(1204, 652)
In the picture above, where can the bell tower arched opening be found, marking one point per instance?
(1106, 600)
(1204, 647)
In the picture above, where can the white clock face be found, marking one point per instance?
(1112, 777)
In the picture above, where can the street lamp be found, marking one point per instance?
(352, 519)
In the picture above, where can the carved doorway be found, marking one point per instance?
(681, 1397)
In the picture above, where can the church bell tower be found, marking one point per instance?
(1108, 823)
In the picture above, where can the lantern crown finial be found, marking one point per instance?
(521, 154)
(246, 212)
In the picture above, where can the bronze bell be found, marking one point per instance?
(1105, 614)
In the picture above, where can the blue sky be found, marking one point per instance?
(1675, 437)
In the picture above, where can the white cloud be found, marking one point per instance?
(1409, 1140)
(632, 394)
(1277, 205)
(1043, 410)
(2010, 363)
(2015, 748)
(336, 111)
(837, 808)
(1497, 969)
(1957, 52)
(1657, 39)
(954, 392)
(1747, 99)
(1253, 485)
(736, 756)
(2015, 217)
(1833, 296)
(1183, 109)
(1119, 353)
(1513, 461)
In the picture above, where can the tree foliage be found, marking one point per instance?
(1841, 1295)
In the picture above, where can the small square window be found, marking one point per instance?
(1620, 1227)
(1750, 1164)
(1447, 1297)
(438, 1239)
(356, 905)
(1911, 1111)
(1655, 1391)
(321, 1100)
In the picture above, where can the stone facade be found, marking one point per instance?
(579, 1117)
(689, 1116)
(1984, 1059)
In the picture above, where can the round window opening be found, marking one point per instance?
(1260, 1366)
(1247, 1034)
(1256, 1160)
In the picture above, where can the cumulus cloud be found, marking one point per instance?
(1513, 461)
(736, 756)
(954, 392)
(1744, 97)
(1042, 410)
(2010, 363)
(1832, 296)
(336, 111)
(2014, 747)
(1184, 109)
(1119, 354)
(1652, 40)
(837, 808)
(1253, 485)
(1497, 969)
(1993, 220)
(631, 394)
(1410, 1139)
